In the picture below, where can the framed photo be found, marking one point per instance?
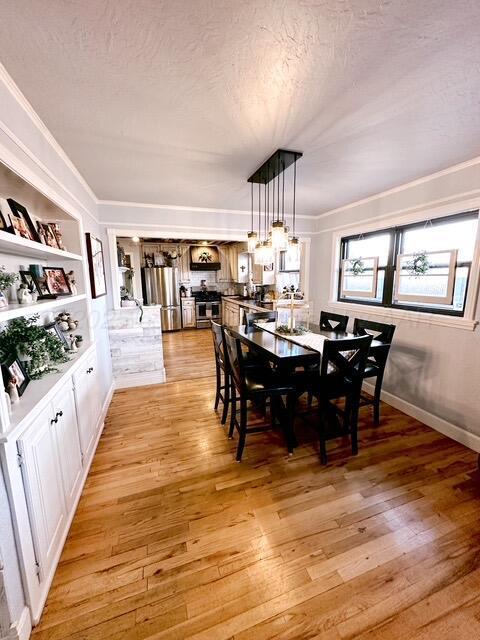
(21, 222)
(55, 330)
(96, 266)
(56, 281)
(27, 278)
(13, 369)
(47, 235)
(58, 235)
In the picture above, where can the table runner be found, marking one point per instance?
(309, 339)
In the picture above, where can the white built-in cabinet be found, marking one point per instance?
(48, 439)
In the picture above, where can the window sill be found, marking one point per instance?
(454, 322)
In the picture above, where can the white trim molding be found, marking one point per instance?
(467, 438)
(21, 629)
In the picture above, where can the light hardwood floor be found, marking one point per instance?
(173, 539)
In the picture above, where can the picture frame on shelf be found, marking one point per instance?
(28, 279)
(13, 368)
(55, 330)
(22, 224)
(47, 235)
(96, 266)
(55, 227)
(56, 281)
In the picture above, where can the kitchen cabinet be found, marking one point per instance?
(242, 267)
(225, 272)
(188, 313)
(184, 264)
(232, 313)
(263, 275)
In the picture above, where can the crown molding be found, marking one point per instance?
(42, 128)
(402, 187)
(178, 207)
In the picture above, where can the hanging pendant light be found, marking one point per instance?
(252, 237)
(293, 242)
(275, 236)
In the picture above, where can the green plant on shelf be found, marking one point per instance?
(7, 279)
(39, 349)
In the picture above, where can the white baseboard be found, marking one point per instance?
(145, 378)
(470, 440)
(21, 629)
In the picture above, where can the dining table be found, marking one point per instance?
(285, 351)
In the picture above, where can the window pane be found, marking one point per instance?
(434, 283)
(366, 287)
(374, 245)
(449, 235)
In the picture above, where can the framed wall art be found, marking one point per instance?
(96, 266)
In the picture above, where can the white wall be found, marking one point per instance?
(435, 368)
(26, 147)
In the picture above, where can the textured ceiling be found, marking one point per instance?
(178, 101)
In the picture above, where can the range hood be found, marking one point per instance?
(204, 258)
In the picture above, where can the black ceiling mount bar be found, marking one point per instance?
(276, 164)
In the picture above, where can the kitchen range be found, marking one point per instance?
(208, 306)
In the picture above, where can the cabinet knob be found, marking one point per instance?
(59, 414)
(54, 420)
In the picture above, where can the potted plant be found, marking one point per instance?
(7, 279)
(38, 348)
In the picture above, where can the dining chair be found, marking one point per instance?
(255, 384)
(341, 375)
(377, 358)
(333, 321)
(263, 316)
(223, 382)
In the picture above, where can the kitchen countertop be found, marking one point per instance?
(249, 304)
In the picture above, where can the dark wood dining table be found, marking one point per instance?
(282, 352)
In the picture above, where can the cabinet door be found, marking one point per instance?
(68, 443)
(188, 316)
(242, 270)
(43, 487)
(94, 390)
(86, 426)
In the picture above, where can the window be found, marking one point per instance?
(422, 266)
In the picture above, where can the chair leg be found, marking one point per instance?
(243, 429)
(321, 431)
(219, 384)
(309, 399)
(233, 414)
(226, 397)
(354, 428)
(376, 400)
(289, 423)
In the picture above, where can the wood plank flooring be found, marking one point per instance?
(173, 539)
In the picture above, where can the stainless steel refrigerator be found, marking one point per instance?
(160, 286)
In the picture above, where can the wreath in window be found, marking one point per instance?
(357, 266)
(418, 265)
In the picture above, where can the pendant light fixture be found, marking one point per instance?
(293, 243)
(252, 236)
(274, 238)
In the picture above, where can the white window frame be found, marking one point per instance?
(372, 293)
(405, 297)
(466, 322)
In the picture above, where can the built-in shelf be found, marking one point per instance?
(17, 310)
(38, 393)
(18, 246)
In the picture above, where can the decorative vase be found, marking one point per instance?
(3, 300)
